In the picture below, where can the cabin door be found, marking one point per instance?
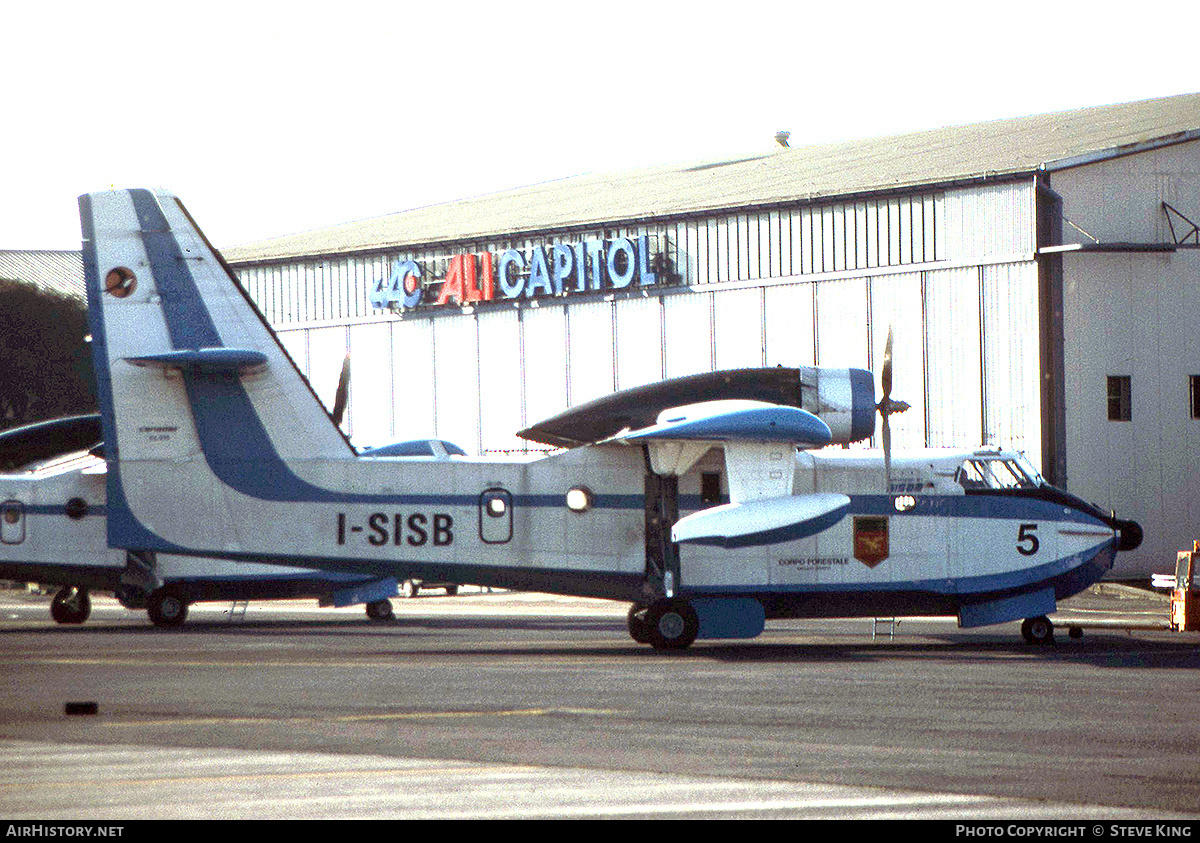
(496, 516)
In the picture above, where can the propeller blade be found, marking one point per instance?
(886, 407)
(343, 393)
(887, 453)
(886, 374)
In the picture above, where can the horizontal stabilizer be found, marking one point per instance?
(759, 522)
(20, 446)
(741, 421)
(206, 360)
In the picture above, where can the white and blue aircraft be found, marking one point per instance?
(706, 502)
(53, 531)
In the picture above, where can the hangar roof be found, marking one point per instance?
(981, 151)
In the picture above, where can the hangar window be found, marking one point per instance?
(1119, 398)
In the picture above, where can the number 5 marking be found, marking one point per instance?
(1027, 542)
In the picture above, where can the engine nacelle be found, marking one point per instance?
(842, 398)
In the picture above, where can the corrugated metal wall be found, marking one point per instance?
(842, 237)
(802, 286)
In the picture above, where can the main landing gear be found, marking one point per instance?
(666, 624)
(380, 610)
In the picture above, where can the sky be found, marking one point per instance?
(272, 118)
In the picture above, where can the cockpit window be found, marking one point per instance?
(1035, 477)
(998, 474)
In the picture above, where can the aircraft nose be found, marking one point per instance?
(1129, 534)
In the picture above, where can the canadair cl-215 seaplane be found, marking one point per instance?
(705, 502)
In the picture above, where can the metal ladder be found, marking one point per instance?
(238, 610)
(891, 624)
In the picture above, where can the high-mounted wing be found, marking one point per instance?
(843, 398)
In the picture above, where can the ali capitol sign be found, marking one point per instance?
(554, 270)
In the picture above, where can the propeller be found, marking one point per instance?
(886, 407)
(342, 397)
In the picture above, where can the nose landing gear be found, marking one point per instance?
(1039, 630)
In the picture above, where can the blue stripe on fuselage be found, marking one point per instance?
(1073, 573)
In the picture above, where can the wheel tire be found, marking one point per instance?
(451, 590)
(380, 610)
(673, 625)
(71, 605)
(409, 588)
(167, 607)
(1039, 630)
(639, 623)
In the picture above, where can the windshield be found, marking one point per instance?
(1006, 473)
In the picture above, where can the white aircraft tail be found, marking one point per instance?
(192, 382)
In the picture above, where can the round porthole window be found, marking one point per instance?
(496, 505)
(76, 508)
(579, 499)
(119, 282)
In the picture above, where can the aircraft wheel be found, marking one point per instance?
(167, 607)
(1038, 630)
(71, 605)
(409, 588)
(673, 625)
(451, 590)
(639, 623)
(380, 610)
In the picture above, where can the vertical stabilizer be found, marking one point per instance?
(196, 393)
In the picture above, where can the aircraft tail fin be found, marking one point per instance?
(189, 374)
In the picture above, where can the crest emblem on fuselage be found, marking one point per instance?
(871, 539)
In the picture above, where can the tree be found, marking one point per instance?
(45, 359)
